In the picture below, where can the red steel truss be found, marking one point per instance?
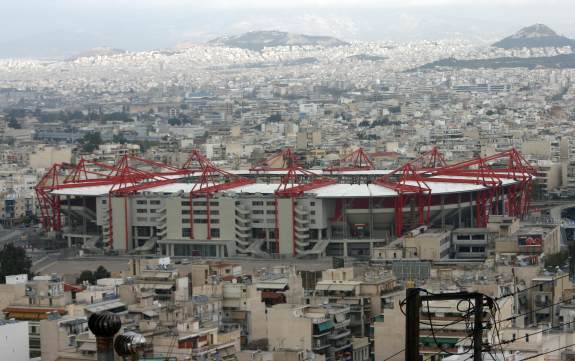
(357, 160)
(429, 160)
(409, 186)
(286, 158)
(210, 180)
(507, 165)
(293, 184)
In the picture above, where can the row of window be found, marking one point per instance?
(145, 210)
(259, 211)
(201, 221)
(187, 232)
(200, 203)
(145, 201)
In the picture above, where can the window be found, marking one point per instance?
(271, 203)
(155, 202)
(200, 203)
(142, 201)
(185, 220)
(152, 210)
(215, 221)
(141, 210)
(477, 237)
(104, 201)
(215, 232)
(258, 211)
(200, 211)
(478, 249)
(463, 248)
(185, 203)
(200, 221)
(186, 232)
(257, 203)
(312, 204)
(271, 212)
(214, 204)
(312, 213)
(185, 211)
(215, 212)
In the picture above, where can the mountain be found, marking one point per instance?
(97, 52)
(534, 36)
(257, 40)
(562, 61)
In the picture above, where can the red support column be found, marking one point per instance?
(110, 220)
(126, 233)
(191, 215)
(277, 229)
(209, 220)
(293, 225)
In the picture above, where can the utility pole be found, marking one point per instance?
(413, 303)
(478, 327)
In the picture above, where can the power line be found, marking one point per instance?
(505, 342)
(528, 288)
(546, 352)
(395, 354)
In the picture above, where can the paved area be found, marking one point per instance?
(119, 263)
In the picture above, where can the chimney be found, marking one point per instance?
(104, 325)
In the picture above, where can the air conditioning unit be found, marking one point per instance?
(72, 341)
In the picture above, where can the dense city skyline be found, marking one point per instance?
(61, 28)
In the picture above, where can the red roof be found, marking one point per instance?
(73, 288)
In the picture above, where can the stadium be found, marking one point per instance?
(276, 208)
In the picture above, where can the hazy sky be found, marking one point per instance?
(60, 28)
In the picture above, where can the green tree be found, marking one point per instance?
(91, 141)
(119, 138)
(86, 275)
(13, 123)
(13, 261)
(555, 260)
(101, 272)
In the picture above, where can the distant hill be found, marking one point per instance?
(563, 61)
(97, 52)
(257, 40)
(535, 36)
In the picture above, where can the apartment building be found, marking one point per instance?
(322, 329)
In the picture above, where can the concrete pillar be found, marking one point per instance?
(370, 218)
(443, 211)
(471, 220)
(344, 248)
(84, 220)
(459, 209)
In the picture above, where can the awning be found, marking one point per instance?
(107, 306)
(150, 313)
(335, 287)
(324, 326)
(279, 285)
(87, 347)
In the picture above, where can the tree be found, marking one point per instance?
(554, 260)
(86, 275)
(13, 261)
(101, 272)
(119, 138)
(91, 141)
(13, 123)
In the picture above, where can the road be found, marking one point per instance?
(10, 236)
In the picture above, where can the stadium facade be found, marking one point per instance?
(198, 209)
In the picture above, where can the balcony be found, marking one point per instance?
(341, 346)
(339, 334)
